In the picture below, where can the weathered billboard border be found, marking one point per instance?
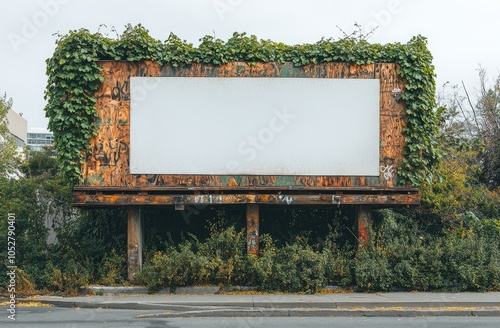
(106, 166)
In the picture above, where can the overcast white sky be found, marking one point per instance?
(462, 33)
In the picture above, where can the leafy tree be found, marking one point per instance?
(40, 163)
(488, 126)
(470, 167)
(480, 125)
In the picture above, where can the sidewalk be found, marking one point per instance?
(341, 304)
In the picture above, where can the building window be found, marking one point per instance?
(37, 141)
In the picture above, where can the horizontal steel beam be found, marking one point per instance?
(99, 199)
(265, 189)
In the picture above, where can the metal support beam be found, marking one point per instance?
(364, 222)
(394, 199)
(252, 229)
(135, 239)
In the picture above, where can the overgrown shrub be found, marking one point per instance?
(472, 263)
(112, 269)
(24, 284)
(68, 278)
(222, 260)
(292, 268)
(176, 267)
(459, 191)
(226, 249)
(402, 256)
(372, 271)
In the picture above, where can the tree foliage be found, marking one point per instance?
(469, 140)
(476, 125)
(488, 129)
(82, 251)
(74, 76)
(40, 163)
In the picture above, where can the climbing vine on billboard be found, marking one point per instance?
(74, 77)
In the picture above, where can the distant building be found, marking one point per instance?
(18, 127)
(39, 139)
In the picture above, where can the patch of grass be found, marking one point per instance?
(27, 304)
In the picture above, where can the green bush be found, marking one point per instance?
(472, 263)
(180, 267)
(222, 260)
(373, 271)
(112, 269)
(227, 251)
(459, 192)
(293, 268)
(24, 284)
(404, 257)
(339, 267)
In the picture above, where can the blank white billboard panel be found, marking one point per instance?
(254, 126)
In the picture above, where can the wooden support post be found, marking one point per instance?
(364, 221)
(135, 236)
(252, 229)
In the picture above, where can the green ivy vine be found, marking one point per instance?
(74, 76)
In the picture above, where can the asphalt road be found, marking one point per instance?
(90, 318)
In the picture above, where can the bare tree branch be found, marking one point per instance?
(471, 105)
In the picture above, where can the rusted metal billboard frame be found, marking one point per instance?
(108, 182)
(106, 172)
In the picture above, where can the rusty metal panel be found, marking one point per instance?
(254, 126)
(252, 229)
(106, 165)
(364, 221)
(135, 241)
(398, 199)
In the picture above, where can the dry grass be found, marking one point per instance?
(255, 292)
(27, 304)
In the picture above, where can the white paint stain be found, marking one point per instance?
(388, 171)
(208, 199)
(287, 199)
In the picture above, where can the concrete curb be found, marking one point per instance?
(136, 306)
(321, 313)
(267, 305)
(417, 304)
(285, 309)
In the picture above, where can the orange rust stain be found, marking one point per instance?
(232, 182)
(362, 232)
